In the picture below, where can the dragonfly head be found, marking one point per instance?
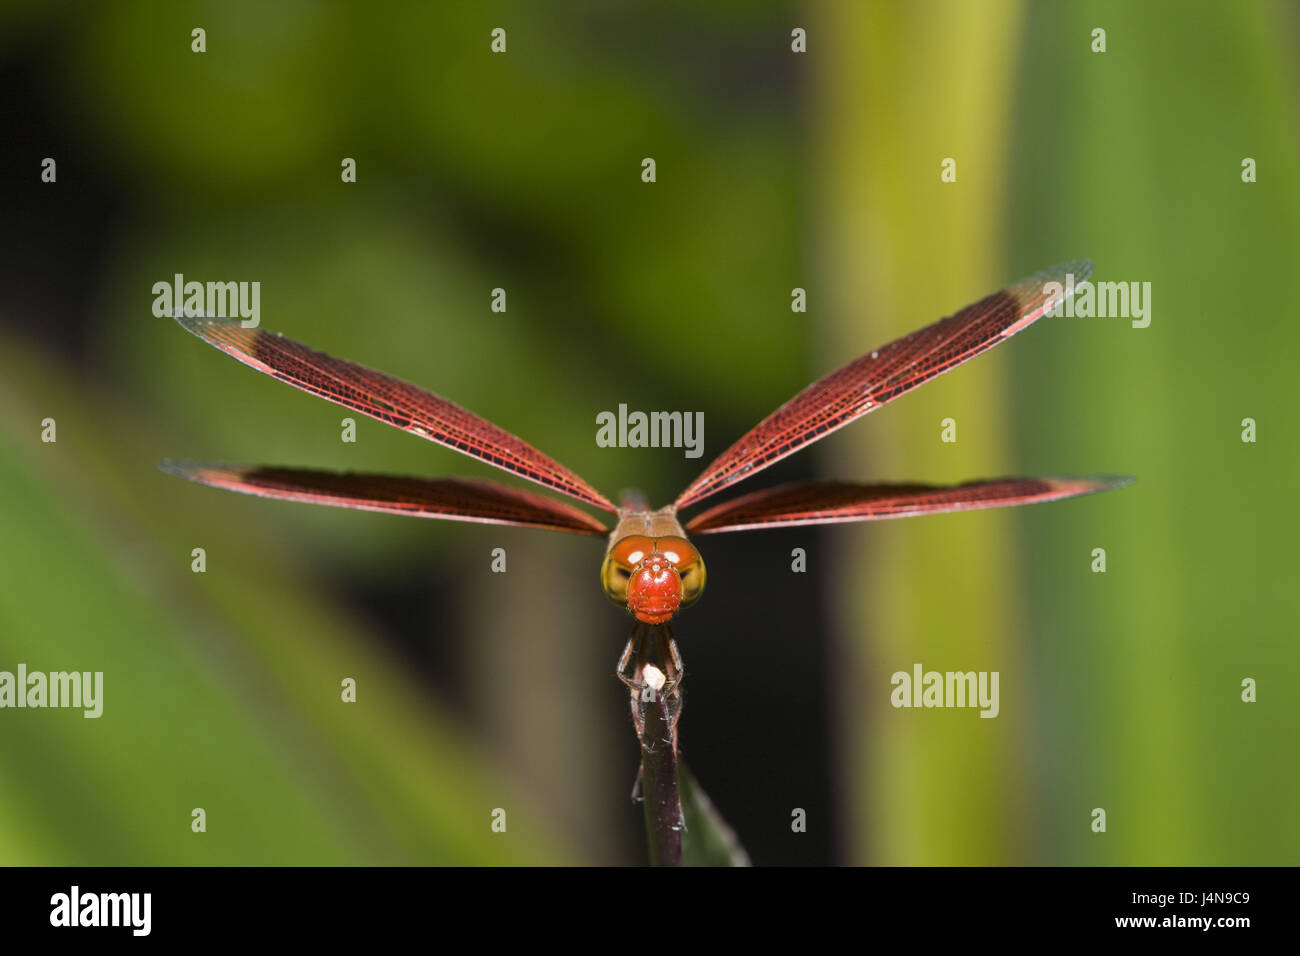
(653, 577)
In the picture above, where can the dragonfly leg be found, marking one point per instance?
(633, 647)
(678, 669)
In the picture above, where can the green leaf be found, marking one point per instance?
(709, 839)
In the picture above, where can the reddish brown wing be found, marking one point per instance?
(453, 499)
(390, 400)
(825, 502)
(880, 377)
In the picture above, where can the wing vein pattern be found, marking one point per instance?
(390, 400)
(827, 502)
(881, 376)
(453, 499)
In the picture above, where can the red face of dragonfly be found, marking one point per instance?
(652, 576)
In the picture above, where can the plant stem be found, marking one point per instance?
(659, 786)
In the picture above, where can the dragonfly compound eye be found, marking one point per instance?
(683, 556)
(623, 558)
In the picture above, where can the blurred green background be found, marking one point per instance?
(776, 170)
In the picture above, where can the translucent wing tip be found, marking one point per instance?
(181, 469)
(1088, 484)
(1032, 291)
(1033, 298)
(1079, 268)
(196, 323)
(191, 470)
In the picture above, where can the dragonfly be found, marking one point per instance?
(651, 567)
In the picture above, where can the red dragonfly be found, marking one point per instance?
(650, 566)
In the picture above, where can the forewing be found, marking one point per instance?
(826, 502)
(881, 376)
(450, 498)
(390, 400)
